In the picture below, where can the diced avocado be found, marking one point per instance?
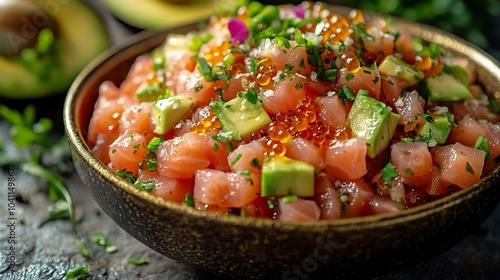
(394, 66)
(437, 128)
(445, 87)
(149, 93)
(458, 72)
(80, 37)
(168, 112)
(373, 121)
(240, 117)
(282, 176)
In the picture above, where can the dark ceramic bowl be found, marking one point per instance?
(248, 248)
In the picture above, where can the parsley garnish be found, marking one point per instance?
(346, 94)
(33, 139)
(189, 200)
(482, 144)
(77, 271)
(428, 118)
(469, 169)
(126, 175)
(198, 88)
(349, 76)
(388, 172)
(99, 239)
(255, 162)
(141, 261)
(147, 186)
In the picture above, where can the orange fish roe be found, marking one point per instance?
(351, 62)
(209, 123)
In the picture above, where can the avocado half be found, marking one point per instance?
(82, 35)
(159, 14)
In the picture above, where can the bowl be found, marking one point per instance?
(250, 248)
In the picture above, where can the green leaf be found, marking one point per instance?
(141, 261)
(189, 200)
(388, 172)
(482, 144)
(77, 271)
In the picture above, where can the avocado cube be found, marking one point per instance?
(168, 112)
(437, 128)
(282, 176)
(394, 66)
(241, 117)
(445, 87)
(149, 93)
(373, 121)
(458, 72)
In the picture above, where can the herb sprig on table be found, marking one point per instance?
(39, 154)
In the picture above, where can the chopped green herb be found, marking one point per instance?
(469, 169)
(99, 239)
(482, 144)
(141, 261)
(428, 118)
(198, 88)
(224, 138)
(147, 186)
(216, 147)
(299, 85)
(349, 76)
(388, 172)
(255, 162)
(271, 203)
(126, 175)
(346, 94)
(235, 160)
(77, 271)
(189, 200)
(244, 172)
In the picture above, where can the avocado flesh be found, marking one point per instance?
(438, 129)
(394, 66)
(458, 72)
(241, 118)
(373, 121)
(155, 14)
(82, 35)
(282, 176)
(445, 87)
(168, 112)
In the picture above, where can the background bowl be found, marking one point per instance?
(248, 248)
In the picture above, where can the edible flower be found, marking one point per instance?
(299, 11)
(238, 30)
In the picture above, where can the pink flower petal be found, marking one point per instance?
(238, 30)
(299, 11)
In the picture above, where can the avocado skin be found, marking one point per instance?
(83, 37)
